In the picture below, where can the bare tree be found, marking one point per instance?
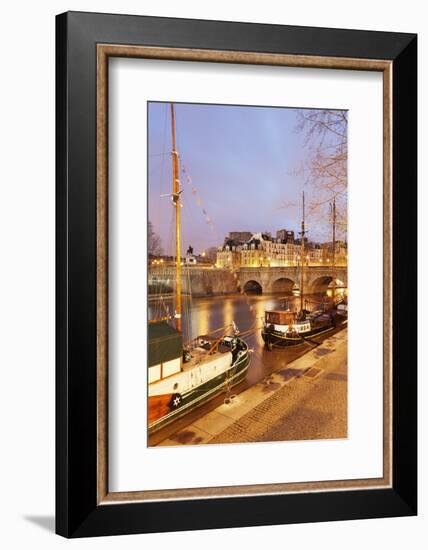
(326, 169)
(154, 243)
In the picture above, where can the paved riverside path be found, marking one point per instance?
(305, 400)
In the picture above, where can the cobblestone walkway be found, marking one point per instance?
(307, 408)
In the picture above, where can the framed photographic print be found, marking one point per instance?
(236, 274)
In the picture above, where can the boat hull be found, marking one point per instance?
(176, 405)
(277, 339)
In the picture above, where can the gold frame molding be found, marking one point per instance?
(104, 52)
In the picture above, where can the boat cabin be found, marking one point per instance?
(280, 317)
(165, 351)
(286, 321)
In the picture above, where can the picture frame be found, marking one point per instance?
(84, 44)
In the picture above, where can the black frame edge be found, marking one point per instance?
(231, 35)
(404, 174)
(77, 514)
(61, 250)
(76, 403)
(190, 515)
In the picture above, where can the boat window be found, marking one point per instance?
(171, 367)
(154, 373)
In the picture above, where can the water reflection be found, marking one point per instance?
(205, 315)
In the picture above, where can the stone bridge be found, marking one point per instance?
(285, 279)
(209, 281)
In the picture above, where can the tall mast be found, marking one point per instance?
(177, 206)
(334, 250)
(302, 251)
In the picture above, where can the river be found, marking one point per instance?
(205, 315)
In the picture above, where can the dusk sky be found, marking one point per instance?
(241, 162)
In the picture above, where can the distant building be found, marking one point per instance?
(229, 255)
(263, 250)
(340, 255)
(285, 235)
(238, 236)
(299, 241)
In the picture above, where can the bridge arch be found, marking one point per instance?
(253, 287)
(324, 283)
(283, 285)
(320, 284)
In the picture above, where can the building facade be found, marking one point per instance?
(229, 255)
(263, 250)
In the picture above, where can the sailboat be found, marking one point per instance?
(182, 378)
(283, 328)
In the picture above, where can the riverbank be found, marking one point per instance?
(305, 400)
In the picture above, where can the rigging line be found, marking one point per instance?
(163, 157)
(209, 221)
(199, 200)
(177, 131)
(188, 305)
(219, 329)
(170, 240)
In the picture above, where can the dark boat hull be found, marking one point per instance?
(277, 339)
